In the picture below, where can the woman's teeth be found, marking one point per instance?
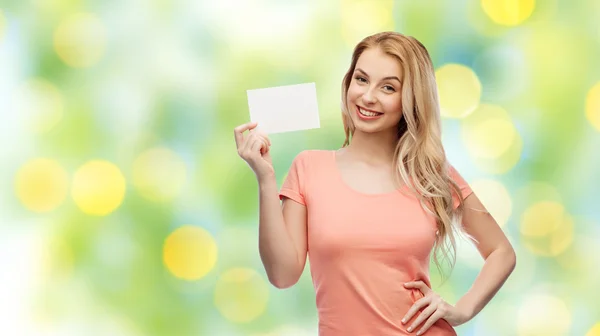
(368, 113)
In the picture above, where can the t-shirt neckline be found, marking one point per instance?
(340, 179)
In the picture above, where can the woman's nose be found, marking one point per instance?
(368, 97)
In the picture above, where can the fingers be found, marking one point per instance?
(253, 146)
(256, 146)
(238, 132)
(415, 308)
(259, 144)
(432, 319)
(424, 315)
(420, 285)
(246, 149)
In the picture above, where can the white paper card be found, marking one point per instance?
(284, 108)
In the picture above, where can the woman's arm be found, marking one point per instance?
(496, 250)
(281, 232)
(282, 235)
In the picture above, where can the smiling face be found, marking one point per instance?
(374, 95)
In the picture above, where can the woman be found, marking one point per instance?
(370, 213)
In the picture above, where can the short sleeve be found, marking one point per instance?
(464, 187)
(293, 185)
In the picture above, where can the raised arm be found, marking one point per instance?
(282, 227)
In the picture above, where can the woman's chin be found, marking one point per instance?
(368, 128)
(372, 129)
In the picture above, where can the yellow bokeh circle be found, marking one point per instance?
(459, 90)
(492, 139)
(536, 191)
(543, 314)
(592, 106)
(80, 40)
(98, 187)
(241, 295)
(190, 252)
(159, 174)
(41, 185)
(508, 12)
(547, 229)
(361, 18)
(542, 219)
(594, 331)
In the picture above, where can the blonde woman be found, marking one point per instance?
(370, 214)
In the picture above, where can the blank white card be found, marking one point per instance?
(284, 108)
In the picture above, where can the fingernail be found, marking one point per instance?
(419, 333)
(403, 320)
(409, 329)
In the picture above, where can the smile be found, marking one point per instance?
(367, 114)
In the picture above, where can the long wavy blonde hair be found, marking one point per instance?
(419, 155)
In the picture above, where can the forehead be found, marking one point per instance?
(376, 63)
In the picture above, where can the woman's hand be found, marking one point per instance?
(254, 149)
(436, 308)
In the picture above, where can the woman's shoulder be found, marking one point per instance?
(313, 156)
(312, 161)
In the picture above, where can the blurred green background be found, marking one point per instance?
(125, 209)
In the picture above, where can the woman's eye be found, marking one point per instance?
(360, 79)
(389, 88)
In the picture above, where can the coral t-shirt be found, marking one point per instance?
(362, 248)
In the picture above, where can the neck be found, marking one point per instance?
(373, 148)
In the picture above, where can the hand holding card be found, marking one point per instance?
(253, 147)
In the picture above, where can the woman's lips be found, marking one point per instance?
(367, 117)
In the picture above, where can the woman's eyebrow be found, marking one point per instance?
(389, 77)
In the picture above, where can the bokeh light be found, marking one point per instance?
(361, 18)
(542, 218)
(459, 90)
(42, 104)
(41, 184)
(536, 191)
(190, 252)
(594, 331)
(241, 295)
(543, 314)
(126, 210)
(492, 139)
(80, 40)
(508, 12)
(546, 228)
(159, 174)
(98, 187)
(592, 106)
(289, 330)
(252, 25)
(495, 197)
